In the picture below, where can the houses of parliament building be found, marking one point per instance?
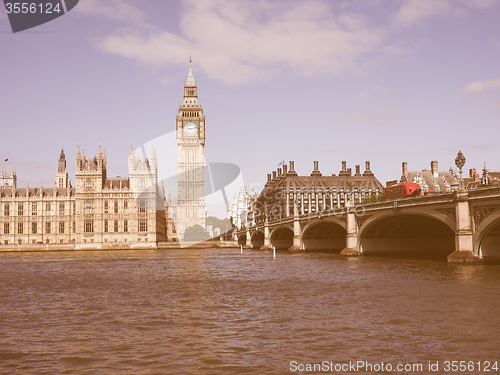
(96, 211)
(99, 212)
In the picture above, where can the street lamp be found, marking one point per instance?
(460, 162)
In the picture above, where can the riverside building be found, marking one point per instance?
(286, 192)
(97, 212)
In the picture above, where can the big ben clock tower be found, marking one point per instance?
(190, 131)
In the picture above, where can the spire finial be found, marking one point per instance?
(190, 82)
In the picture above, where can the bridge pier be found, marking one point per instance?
(464, 246)
(351, 248)
(267, 239)
(248, 244)
(296, 234)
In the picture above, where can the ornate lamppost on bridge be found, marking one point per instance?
(460, 162)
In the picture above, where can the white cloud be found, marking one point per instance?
(118, 10)
(240, 42)
(478, 86)
(413, 11)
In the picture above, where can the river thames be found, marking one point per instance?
(216, 311)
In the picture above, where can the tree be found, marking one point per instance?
(372, 198)
(223, 224)
(196, 233)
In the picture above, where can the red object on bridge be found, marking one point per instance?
(410, 189)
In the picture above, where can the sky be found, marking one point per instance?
(380, 80)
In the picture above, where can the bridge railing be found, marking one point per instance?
(486, 191)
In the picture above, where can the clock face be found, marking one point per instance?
(190, 129)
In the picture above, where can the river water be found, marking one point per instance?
(219, 312)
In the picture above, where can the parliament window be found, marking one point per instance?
(34, 228)
(116, 225)
(6, 228)
(106, 207)
(142, 205)
(116, 207)
(143, 226)
(47, 227)
(48, 207)
(88, 207)
(20, 228)
(20, 209)
(125, 206)
(125, 225)
(89, 226)
(61, 209)
(6, 209)
(105, 226)
(34, 209)
(61, 227)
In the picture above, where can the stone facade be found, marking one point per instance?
(242, 209)
(8, 179)
(190, 132)
(286, 191)
(96, 212)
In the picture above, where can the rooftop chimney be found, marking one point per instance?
(358, 170)
(269, 177)
(292, 170)
(285, 167)
(316, 171)
(404, 169)
(434, 168)
(274, 175)
(344, 171)
(367, 171)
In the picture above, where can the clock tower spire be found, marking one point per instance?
(190, 133)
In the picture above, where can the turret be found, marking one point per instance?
(154, 160)
(78, 158)
(62, 171)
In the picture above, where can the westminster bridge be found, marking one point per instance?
(462, 226)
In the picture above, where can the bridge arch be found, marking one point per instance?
(487, 238)
(408, 234)
(324, 235)
(448, 221)
(257, 239)
(282, 238)
(242, 239)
